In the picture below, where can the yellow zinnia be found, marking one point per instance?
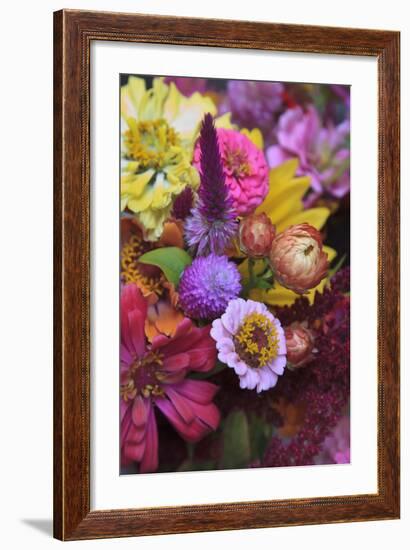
(158, 126)
(284, 206)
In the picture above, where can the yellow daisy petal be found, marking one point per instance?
(255, 136)
(224, 121)
(288, 202)
(314, 216)
(331, 253)
(277, 296)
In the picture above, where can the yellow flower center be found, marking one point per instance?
(144, 377)
(133, 272)
(151, 143)
(256, 342)
(236, 161)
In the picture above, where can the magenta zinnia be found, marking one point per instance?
(154, 377)
(212, 224)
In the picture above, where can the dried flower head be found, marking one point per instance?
(256, 233)
(298, 259)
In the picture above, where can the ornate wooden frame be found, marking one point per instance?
(73, 33)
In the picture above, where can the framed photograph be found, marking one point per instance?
(226, 275)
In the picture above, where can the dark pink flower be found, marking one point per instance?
(256, 233)
(154, 377)
(323, 151)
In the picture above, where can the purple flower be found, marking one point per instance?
(187, 85)
(207, 286)
(255, 104)
(212, 224)
(251, 341)
(323, 152)
(183, 204)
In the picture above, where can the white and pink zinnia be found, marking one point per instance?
(251, 341)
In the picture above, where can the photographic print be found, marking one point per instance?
(234, 274)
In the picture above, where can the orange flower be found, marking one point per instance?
(162, 318)
(292, 415)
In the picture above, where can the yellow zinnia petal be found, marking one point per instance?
(186, 113)
(135, 184)
(131, 96)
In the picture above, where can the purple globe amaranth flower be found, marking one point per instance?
(323, 152)
(255, 104)
(207, 286)
(212, 223)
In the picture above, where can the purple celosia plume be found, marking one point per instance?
(212, 223)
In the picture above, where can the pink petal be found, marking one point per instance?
(149, 461)
(140, 410)
(125, 355)
(181, 404)
(198, 390)
(202, 359)
(190, 432)
(209, 414)
(123, 409)
(131, 301)
(176, 362)
(134, 451)
(136, 331)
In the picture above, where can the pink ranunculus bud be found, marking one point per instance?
(298, 259)
(256, 233)
(299, 345)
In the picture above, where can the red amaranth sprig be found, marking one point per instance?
(323, 385)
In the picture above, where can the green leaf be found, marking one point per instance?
(236, 444)
(338, 266)
(171, 260)
(260, 283)
(260, 434)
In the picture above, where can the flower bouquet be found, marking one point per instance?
(235, 344)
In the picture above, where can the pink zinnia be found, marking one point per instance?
(154, 376)
(245, 170)
(323, 151)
